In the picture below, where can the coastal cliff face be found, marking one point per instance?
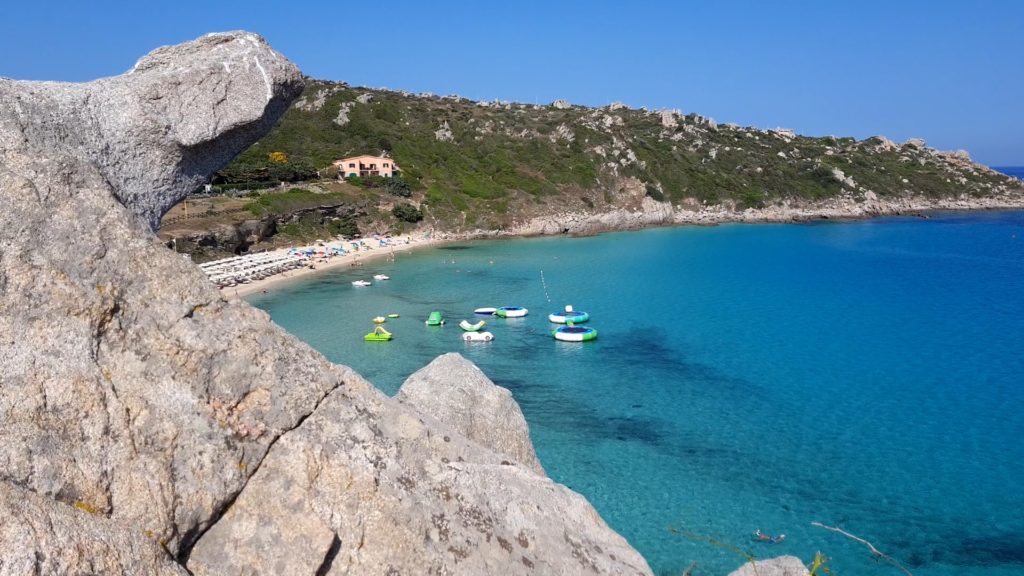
(148, 425)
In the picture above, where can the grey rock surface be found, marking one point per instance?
(130, 388)
(453, 390)
(781, 566)
(41, 536)
(367, 486)
(158, 131)
(128, 383)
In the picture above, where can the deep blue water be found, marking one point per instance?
(1015, 171)
(868, 375)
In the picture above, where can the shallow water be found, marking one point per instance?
(864, 374)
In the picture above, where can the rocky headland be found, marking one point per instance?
(508, 169)
(149, 426)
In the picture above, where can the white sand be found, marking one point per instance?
(351, 259)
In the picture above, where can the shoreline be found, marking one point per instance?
(646, 218)
(353, 259)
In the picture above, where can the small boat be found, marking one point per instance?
(362, 283)
(574, 333)
(511, 312)
(435, 319)
(569, 315)
(465, 325)
(477, 336)
(392, 315)
(379, 320)
(381, 277)
(379, 334)
(485, 311)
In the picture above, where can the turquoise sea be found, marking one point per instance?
(867, 375)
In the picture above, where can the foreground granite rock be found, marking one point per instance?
(132, 390)
(365, 486)
(41, 536)
(456, 392)
(781, 566)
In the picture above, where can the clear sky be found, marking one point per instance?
(949, 72)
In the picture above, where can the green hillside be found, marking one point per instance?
(483, 163)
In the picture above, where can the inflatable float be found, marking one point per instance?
(511, 312)
(569, 315)
(574, 333)
(477, 337)
(434, 319)
(465, 325)
(379, 334)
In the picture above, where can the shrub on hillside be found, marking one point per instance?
(398, 187)
(407, 213)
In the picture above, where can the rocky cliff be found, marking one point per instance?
(149, 426)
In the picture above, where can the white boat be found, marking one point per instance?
(477, 336)
(487, 311)
(381, 277)
(362, 283)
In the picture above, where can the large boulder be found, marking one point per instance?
(132, 390)
(456, 392)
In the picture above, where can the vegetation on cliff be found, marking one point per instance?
(484, 163)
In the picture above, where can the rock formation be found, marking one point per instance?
(39, 537)
(136, 404)
(472, 405)
(781, 566)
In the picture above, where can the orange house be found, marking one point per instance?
(367, 166)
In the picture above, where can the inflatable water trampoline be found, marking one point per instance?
(574, 333)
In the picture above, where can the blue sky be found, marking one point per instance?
(949, 72)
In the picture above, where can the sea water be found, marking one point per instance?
(866, 375)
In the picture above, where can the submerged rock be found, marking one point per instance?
(131, 389)
(781, 566)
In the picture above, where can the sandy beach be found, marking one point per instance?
(352, 259)
(650, 215)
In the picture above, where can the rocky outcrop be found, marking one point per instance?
(456, 392)
(635, 211)
(128, 384)
(158, 131)
(41, 536)
(367, 486)
(781, 566)
(133, 391)
(444, 133)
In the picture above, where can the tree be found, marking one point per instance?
(278, 157)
